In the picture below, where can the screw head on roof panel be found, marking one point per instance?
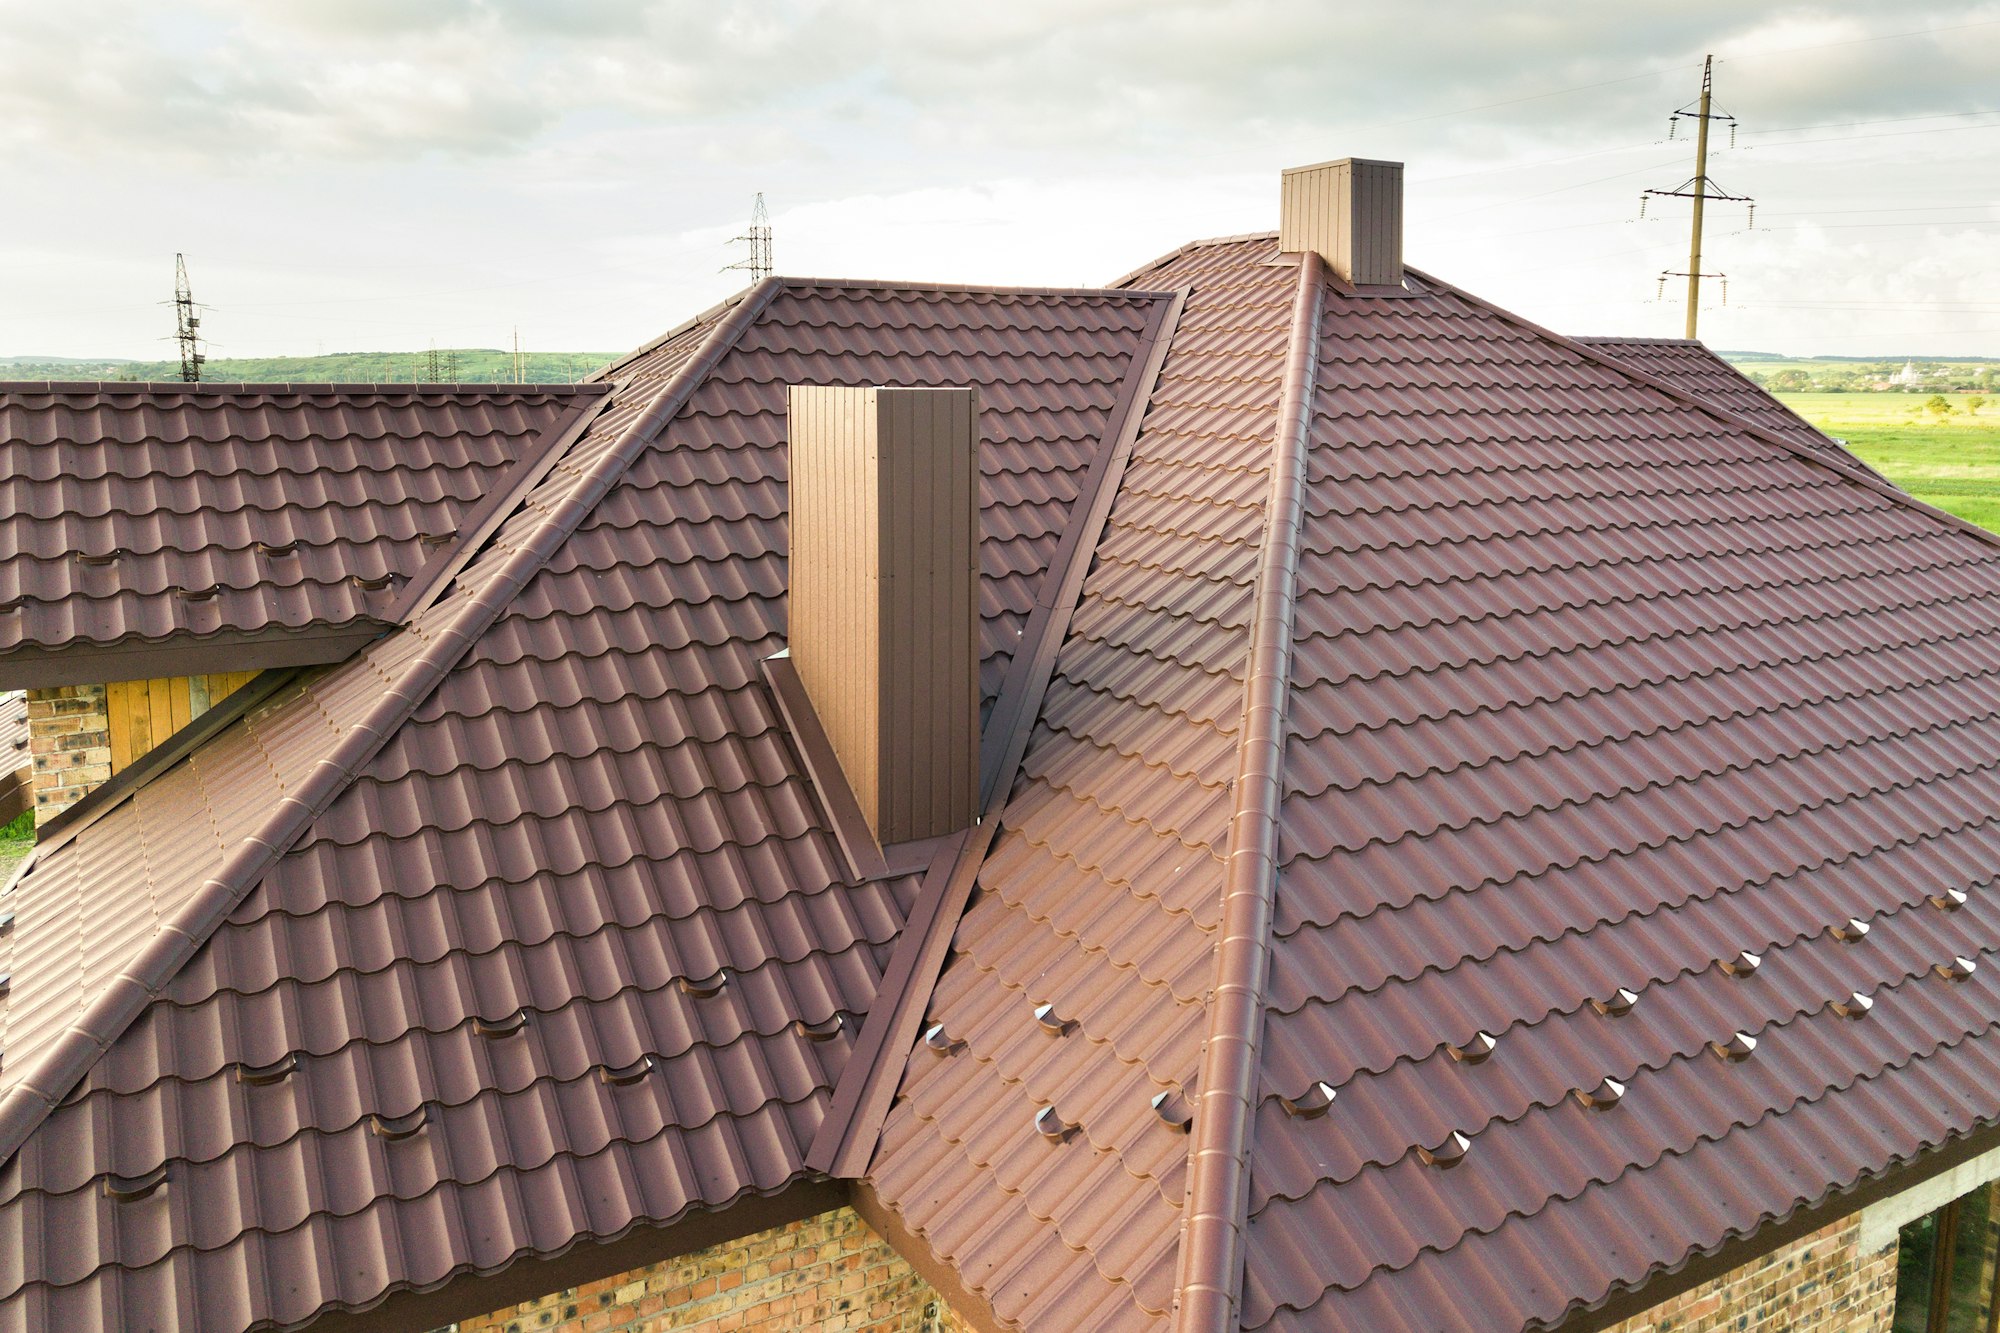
(1736, 1046)
(1604, 1096)
(1958, 969)
(824, 1030)
(625, 1074)
(1851, 931)
(502, 1027)
(703, 987)
(1948, 900)
(1743, 964)
(395, 1128)
(277, 1071)
(1050, 1125)
(1618, 1002)
(1172, 1110)
(1052, 1023)
(127, 1189)
(1856, 1005)
(940, 1042)
(1474, 1051)
(1449, 1153)
(1313, 1102)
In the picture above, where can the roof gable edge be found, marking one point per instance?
(1210, 1277)
(71, 1056)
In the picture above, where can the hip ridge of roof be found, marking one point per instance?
(1210, 1276)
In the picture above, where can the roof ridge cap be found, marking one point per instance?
(71, 1055)
(1208, 1284)
(1170, 256)
(1811, 455)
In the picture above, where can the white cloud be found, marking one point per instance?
(341, 161)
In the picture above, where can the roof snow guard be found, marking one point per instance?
(1399, 723)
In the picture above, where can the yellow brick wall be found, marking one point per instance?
(826, 1273)
(1820, 1283)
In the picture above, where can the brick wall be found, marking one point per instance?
(1821, 1283)
(826, 1273)
(832, 1273)
(69, 737)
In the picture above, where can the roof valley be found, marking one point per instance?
(1225, 1109)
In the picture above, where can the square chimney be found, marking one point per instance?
(885, 596)
(1350, 213)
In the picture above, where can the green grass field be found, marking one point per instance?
(1952, 463)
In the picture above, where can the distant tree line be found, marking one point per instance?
(1930, 377)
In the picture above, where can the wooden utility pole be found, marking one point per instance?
(1700, 189)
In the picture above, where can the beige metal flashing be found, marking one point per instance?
(884, 615)
(1349, 213)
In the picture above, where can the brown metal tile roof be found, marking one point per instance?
(1433, 680)
(1101, 893)
(144, 520)
(1689, 365)
(591, 811)
(1594, 689)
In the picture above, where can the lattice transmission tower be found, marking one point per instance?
(758, 238)
(188, 324)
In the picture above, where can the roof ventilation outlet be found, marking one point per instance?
(1350, 213)
(884, 602)
(1852, 931)
(1948, 900)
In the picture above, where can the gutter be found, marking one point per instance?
(1209, 1283)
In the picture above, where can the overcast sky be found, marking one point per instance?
(349, 175)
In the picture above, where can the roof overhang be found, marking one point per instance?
(470, 1294)
(1808, 1218)
(40, 666)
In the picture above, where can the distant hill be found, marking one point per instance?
(475, 365)
(1899, 358)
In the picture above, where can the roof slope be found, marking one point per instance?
(137, 516)
(592, 814)
(1101, 893)
(1689, 365)
(1589, 687)
(1593, 689)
